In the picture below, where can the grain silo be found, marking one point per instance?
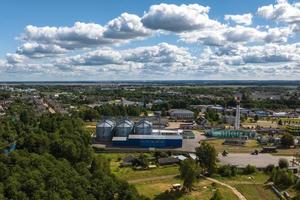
(104, 130)
(123, 128)
(143, 127)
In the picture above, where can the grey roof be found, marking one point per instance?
(143, 123)
(180, 111)
(125, 123)
(106, 123)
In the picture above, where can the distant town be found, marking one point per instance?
(150, 131)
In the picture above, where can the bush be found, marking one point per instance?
(217, 195)
(227, 171)
(282, 177)
(269, 169)
(287, 140)
(283, 163)
(297, 186)
(249, 169)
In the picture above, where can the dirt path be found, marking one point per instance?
(233, 189)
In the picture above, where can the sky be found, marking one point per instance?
(97, 40)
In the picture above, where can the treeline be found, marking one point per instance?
(54, 160)
(90, 114)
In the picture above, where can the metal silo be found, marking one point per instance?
(104, 130)
(123, 128)
(143, 127)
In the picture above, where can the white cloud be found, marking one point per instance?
(176, 18)
(282, 11)
(36, 50)
(97, 57)
(81, 35)
(245, 19)
(126, 26)
(15, 58)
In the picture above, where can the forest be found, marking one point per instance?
(54, 160)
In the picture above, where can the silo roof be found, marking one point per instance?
(143, 123)
(125, 123)
(106, 123)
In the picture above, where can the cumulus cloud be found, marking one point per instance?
(226, 50)
(126, 26)
(245, 19)
(155, 59)
(282, 11)
(176, 18)
(78, 36)
(97, 57)
(36, 50)
(14, 58)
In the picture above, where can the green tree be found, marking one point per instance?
(283, 163)
(217, 195)
(287, 140)
(189, 170)
(24, 117)
(207, 157)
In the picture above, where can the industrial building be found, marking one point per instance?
(236, 132)
(141, 134)
(230, 133)
(104, 130)
(181, 114)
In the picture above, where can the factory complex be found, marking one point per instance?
(126, 133)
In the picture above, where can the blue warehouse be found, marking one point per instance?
(141, 135)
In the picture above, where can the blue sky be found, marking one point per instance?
(155, 39)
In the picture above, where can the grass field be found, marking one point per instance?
(249, 147)
(202, 190)
(261, 123)
(256, 178)
(127, 173)
(256, 192)
(251, 186)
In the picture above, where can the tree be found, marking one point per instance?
(256, 118)
(207, 157)
(287, 140)
(283, 163)
(24, 117)
(249, 169)
(217, 195)
(188, 172)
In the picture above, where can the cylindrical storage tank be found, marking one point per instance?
(104, 130)
(123, 128)
(143, 127)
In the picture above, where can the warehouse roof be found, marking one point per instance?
(180, 111)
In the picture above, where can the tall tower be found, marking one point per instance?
(238, 98)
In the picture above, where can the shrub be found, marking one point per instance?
(282, 177)
(227, 170)
(249, 169)
(283, 163)
(297, 186)
(269, 168)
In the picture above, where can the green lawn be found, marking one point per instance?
(256, 178)
(127, 173)
(251, 186)
(256, 192)
(249, 147)
(203, 190)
